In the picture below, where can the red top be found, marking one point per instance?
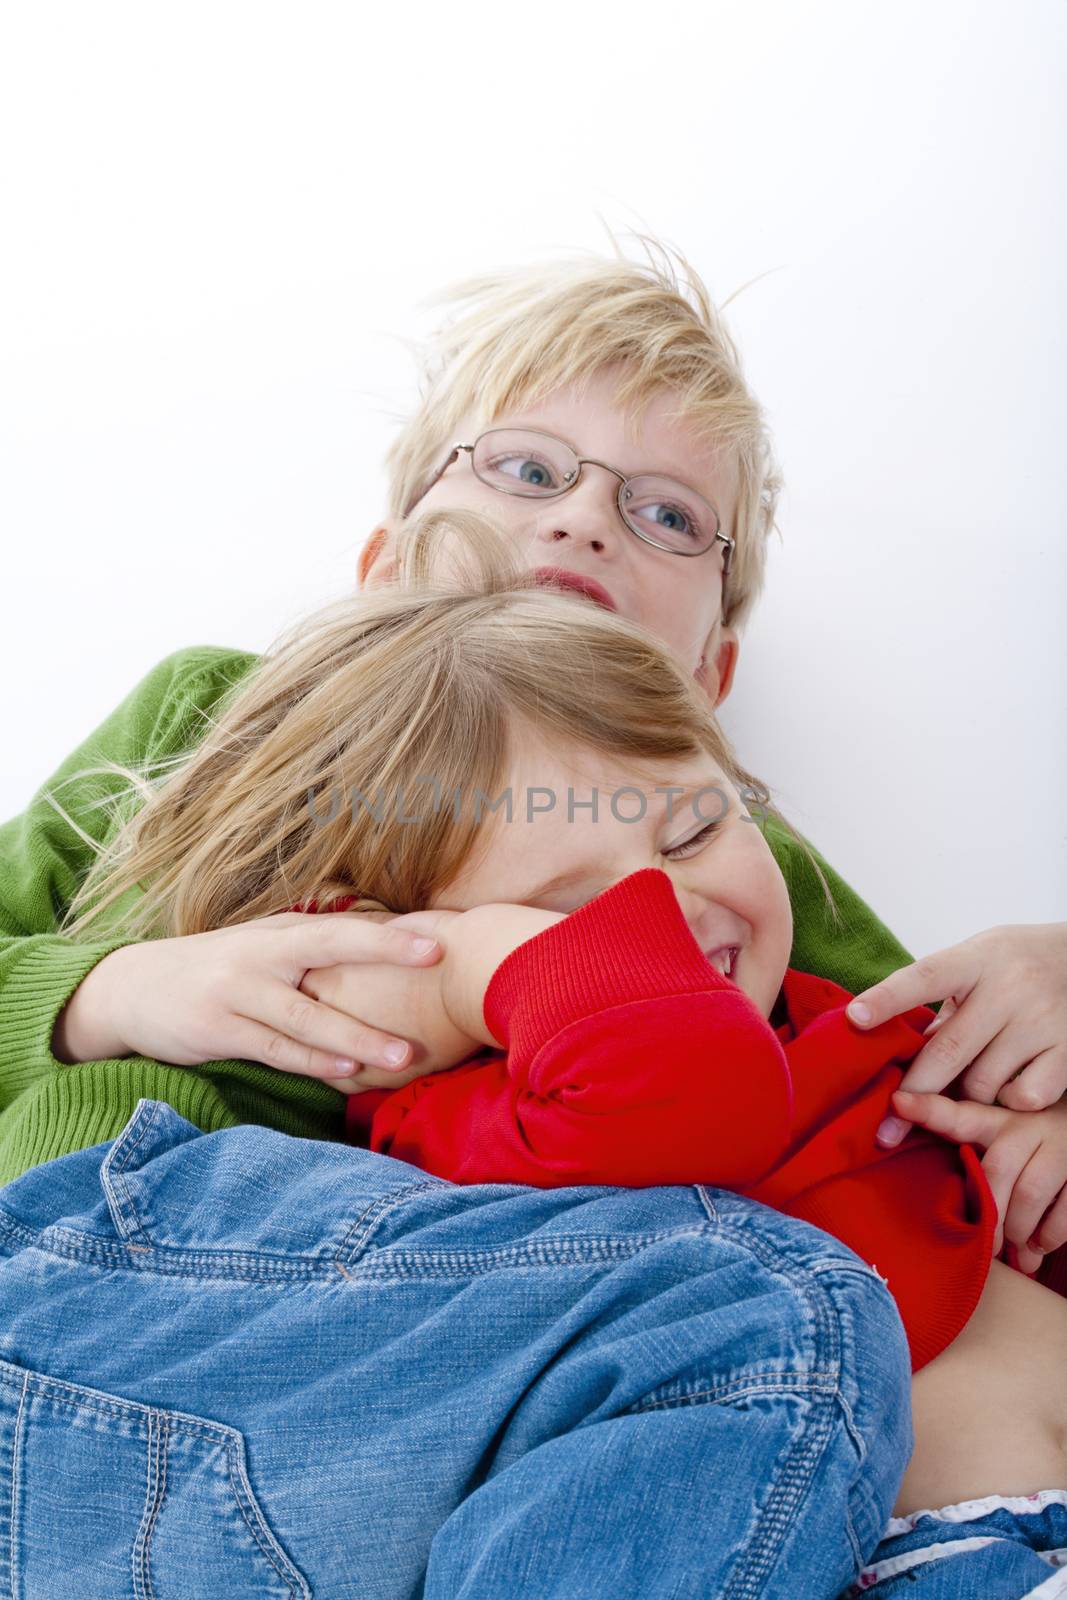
(631, 1060)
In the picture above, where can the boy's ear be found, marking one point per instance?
(376, 557)
(715, 674)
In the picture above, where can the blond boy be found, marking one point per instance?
(629, 365)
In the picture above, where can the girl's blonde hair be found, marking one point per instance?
(429, 678)
(531, 330)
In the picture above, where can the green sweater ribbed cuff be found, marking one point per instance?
(41, 973)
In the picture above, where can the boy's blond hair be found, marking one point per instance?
(531, 330)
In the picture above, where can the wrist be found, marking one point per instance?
(477, 943)
(85, 1030)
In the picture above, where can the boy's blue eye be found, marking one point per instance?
(527, 469)
(669, 517)
(674, 520)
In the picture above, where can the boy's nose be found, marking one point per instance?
(586, 517)
(582, 529)
(576, 537)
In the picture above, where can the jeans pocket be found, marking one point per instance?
(104, 1497)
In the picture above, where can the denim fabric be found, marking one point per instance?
(997, 1548)
(245, 1364)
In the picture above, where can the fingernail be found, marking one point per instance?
(858, 1012)
(345, 1064)
(394, 1053)
(422, 947)
(892, 1130)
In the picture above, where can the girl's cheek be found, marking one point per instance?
(774, 911)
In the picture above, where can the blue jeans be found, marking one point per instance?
(999, 1548)
(245, 1364)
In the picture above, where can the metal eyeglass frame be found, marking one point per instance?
(720, 537)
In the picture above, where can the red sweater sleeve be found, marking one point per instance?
(630, 1060)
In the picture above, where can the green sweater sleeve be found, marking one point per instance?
(46, 1107)
(848, 945)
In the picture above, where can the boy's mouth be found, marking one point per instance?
(560, 578)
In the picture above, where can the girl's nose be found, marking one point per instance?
(694, 906)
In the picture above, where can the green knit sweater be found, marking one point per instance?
(48, 1108)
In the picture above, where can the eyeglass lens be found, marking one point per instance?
(538, 466)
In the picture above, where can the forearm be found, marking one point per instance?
(475, 946)
(85, 1028)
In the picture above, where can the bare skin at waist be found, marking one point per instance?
(990, 1412)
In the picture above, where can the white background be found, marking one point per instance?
(218, 221)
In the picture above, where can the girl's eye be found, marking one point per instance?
(688, 847)
(537, 474)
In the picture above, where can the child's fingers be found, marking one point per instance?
(935, 978)
(1038, 1085)
(919, 1108)
(997, 1063)
(969, 1122)
(891, 1132)
(964, 1121)
(367, 1076)
(254, 1041)
(1002, 1164)
(295, 1033)
(326, 941)
(1035, 1189)
(350, 1085)
(946, 1053)
(1026, 1260)
(1051, 1232)
(947, 1008)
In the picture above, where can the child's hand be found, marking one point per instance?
(1025, 1163)
(235, 993)
(1005, 1016)
(402, 1001)
(440, 1009)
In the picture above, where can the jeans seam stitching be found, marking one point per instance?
(357, 1236)
(256, 1524)
(389, 1262)
(16, 1467)
(139, 1555)
(736, 1388)
(113, 1170)
(759, 1557)
(75, 1394)
(866, 1275)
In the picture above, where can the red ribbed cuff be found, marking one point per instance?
(630, 943)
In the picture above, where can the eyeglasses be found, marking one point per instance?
(538, 466)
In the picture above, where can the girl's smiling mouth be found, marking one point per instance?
(724, 959)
